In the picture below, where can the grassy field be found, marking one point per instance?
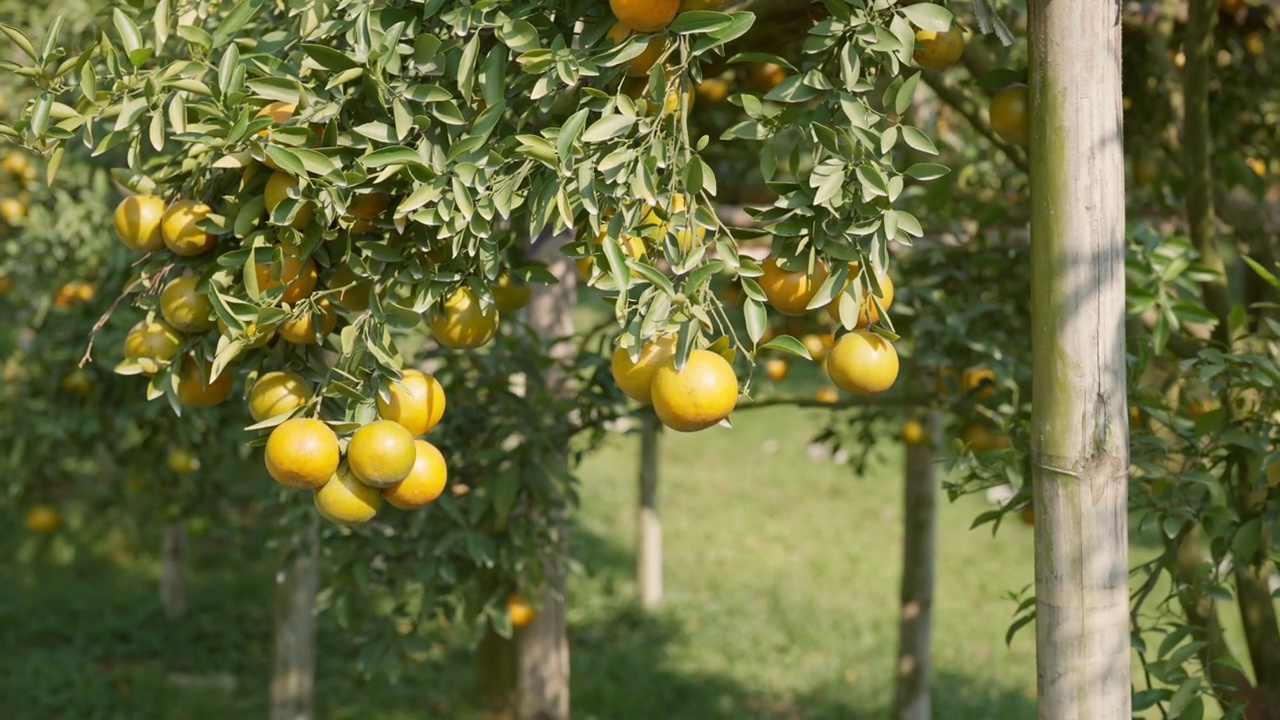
(782, 576)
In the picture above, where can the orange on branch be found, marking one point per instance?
(42, 519)
(789, 292)
(635, 379)
(278, 392)
(298, 276)
(416, 401)
(510, 295)
(180, 230)
(137, 221)
(424, 483)
(938, 50)
(639, 65)
(186, 309)
(1009, 115)
(277, 190)
(346, 500)
(300, 329)
(696, 397)
(645, 15)
(151, 344)
(867, 313)
(196, 390)
(302, 453)
(520, 611)
(862, 362)
(381, 453)
(461, 322)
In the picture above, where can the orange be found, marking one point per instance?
(424, 483)
(863, 362)
(1146, 171)
(1008, 114)
(775, 368)
(1027, 515)
(686, 237)
(195, 389)
(640, 64)
(72, 293)
(461, 323)
(300, 329)
(182, 461)
(278, 111)
(302, 453)
(416, 401)
(814, 343)
(344, 499)
(178, 227)
(278, 188)
(763, 77)
(938, 50)
(77, 382)
(6, 284)
(633, 246)
(381, 453)
(979, 382)
(16, 164)
(790, 292)
(635, 379)
(510, 295)
(137, 221)
(645, 15)
(697, 397)
(186, 309)
(276, 393)
(827, 395)
(297, 274)
(354, 292)
(152, 344)
(42, 518)
(981, 438)
(713, 90)
(914, 433)
(520, 611)
(367, 207)
(868, 314)
(12, 210)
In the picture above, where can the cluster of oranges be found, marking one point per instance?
(385, 459)
(1007, 111)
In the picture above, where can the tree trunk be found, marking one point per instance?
(496, 675)
(919, 556)
(542, 677)
(294, 623)
(649, 526)
(173, 567)
(1079, 434)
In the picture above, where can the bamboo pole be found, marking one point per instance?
(1079, 421)
(293, 671)
(649, 525)
(919, 558)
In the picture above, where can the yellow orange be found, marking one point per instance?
(635, 379)
(302, 453)
(186, 309)
(137, 221)
(696, 397)
(461, 322)
(179, 228)
(416, 401)
(424, 483)
(789, 292)
(300, 329)
(278, 392)
(862, 362)
(346, 500)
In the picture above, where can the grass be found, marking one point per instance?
(782, 580)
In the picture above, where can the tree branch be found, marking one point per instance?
(967, 107)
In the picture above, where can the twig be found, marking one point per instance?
(106, 316)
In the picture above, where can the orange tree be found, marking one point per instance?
(326, 181)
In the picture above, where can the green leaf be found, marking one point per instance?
(927, 16)
(20, 40)
(788, 344)
(394, 155)
(757, 319)
(608, 128)
(328, 58)
(130, 37)
(1262, 272)
(927, 171)
(235, 20)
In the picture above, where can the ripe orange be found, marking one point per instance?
(863, 362)
(868, 313)
(344, 499)
(640, 64)
(278, 111)
(775, 368)
(302, 453)
(790, 292)
(635, 379)
(424, 483)
(979, 382)
(186, 309)
(645, 15)
(1009, 115)
(6, 285)
(697, 397)
(278, 187)
(381, 453)
(300, 329)
(713, 90)
(196, 391)
(72, 293)
(510, 295)
(633, 246)
(297, 274)
(828, 395)
(763, 77)
(137, 221)
(938, 50)
(178, 227)
(461, 323)
(182, 461)
(12, 210)
(914, 433)
(367, 207)
(520, 611)
(1027, 515)
(689, 233)
(16, 164)
(276, 393)
(42, 518)
(152, 344)
(417, 402)
(982, 438)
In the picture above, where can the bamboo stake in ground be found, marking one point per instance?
(649, 525)
(919, 557)
(293, 670)
(1079, 422)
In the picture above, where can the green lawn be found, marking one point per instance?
(782, 579)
